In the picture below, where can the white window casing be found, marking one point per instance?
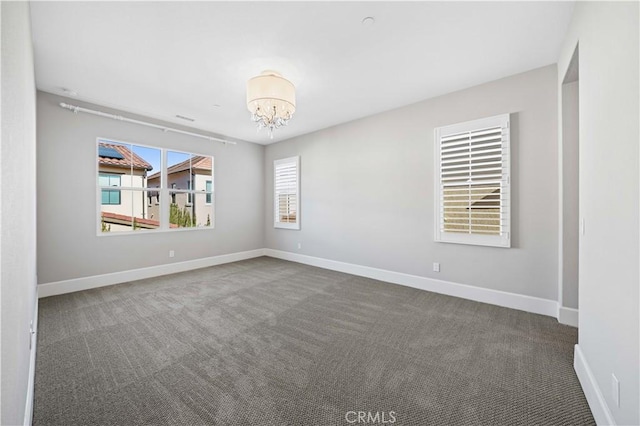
(472, 182)
(286, 193)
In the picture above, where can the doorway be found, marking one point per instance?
(570, 160)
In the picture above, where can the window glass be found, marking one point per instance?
(208, 189)
(137, 204)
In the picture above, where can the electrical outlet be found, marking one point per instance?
(436, 267)
(299, 246)
(615, 390)
(172, 253)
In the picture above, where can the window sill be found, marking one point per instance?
(502, 241)
(154, 231)
(294, 226)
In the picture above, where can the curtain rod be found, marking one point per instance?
(77, 109)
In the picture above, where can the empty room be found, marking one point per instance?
(320, 213)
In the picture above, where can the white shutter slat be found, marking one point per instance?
(489, 151)
(473, 133)
(457, 184)
(464, 162)
(485, 150)
(482, 168)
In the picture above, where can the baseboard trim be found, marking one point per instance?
(494, 297)
(568, 316)
(595, 399)
(28, 410)
(94, 281)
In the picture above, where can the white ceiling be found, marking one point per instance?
(168, 58)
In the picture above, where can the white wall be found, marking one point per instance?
(18, 208)
(570, 186)
(68, 246)
(367, 189)
(609, 272)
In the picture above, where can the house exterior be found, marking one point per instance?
(194, 174)
(119, 166)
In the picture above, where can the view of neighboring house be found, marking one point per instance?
(472, 209)
(119, 166)
(193, 174)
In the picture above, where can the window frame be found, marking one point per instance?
(502, 240)
(276, 223)
(163, 191)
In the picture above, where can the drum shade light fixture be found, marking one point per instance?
(271, 99)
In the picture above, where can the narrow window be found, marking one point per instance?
(287, 193)
(189, 194)
(208, 190)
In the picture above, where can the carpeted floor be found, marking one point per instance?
(270, 342)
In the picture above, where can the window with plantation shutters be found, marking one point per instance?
(286, 174)
(472, 182)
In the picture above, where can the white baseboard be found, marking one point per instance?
(495, 297)
(94, 281)
(28, 410)
(568, 316)
(597, 403)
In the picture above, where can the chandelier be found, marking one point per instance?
(271, 99)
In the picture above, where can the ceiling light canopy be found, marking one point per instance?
(271, 99)
(368, 21)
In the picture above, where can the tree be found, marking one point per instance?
(105, 227)
(181, 217)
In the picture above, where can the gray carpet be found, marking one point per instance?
(269, 342)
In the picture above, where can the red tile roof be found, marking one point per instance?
(129, 158)
(139, 221)
(199, 162)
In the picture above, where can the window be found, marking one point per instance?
(286, 193)
(208, 189)
(187, 175)
(472, 182)
(189, 194)
(154, 197)
(110, 196)
(125, 166)
(183, 199)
